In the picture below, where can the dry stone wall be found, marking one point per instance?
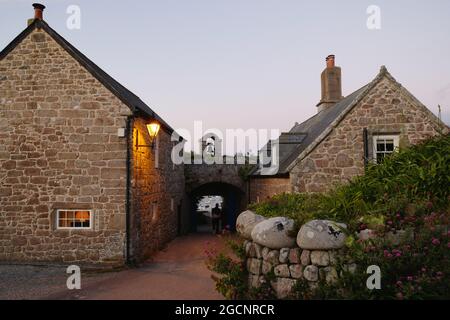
(289, 265)
(274, 254)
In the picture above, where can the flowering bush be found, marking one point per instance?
(414, 268)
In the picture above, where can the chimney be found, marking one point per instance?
(331, 84)
(38, 12)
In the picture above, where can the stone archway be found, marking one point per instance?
(234, 202)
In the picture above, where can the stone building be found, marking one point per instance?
(81, 179)
(346, 133)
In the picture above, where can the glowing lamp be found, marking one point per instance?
(82, 216)
(153, 129)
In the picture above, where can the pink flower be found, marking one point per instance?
(448, 245)
(435, 241)
(399, 283)
(389, 222)
(409, 278)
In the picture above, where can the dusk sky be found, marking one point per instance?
(251, 63)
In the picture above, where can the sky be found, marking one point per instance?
(251, 64)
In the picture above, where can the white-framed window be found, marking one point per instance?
(384, 145)
(74, 219)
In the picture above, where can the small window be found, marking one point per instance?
(74, 219)
(384, 146)
(154, 214)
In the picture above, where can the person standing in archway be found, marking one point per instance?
(216, 214)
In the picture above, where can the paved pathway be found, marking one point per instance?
(178, 272)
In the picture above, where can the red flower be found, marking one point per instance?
(435, 241)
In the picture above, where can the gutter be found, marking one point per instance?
(129, 133)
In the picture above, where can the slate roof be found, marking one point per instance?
(126, 96)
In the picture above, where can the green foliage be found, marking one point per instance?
(231, 279)
(417, 269)
(245, 170)
(412, 178)
(231, 276)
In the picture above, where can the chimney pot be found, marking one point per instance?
(330, 61)
(38, 11)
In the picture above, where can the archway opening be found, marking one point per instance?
(229, 199)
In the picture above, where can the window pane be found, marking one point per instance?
(380, 145)
(74, 219)
(63, 223)
(380, 157)
(390, 146)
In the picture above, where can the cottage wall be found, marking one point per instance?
(386, 109)
(59, 149)
(157, 192)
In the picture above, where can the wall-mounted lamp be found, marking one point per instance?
(153, 129)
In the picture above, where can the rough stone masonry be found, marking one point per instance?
(60, 149)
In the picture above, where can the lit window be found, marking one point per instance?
(74, 219)
(384, 146)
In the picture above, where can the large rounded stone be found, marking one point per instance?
(245, 223)
(321, 235)
(274, 233)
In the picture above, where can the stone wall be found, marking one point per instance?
(288, 265)
(157, 192)
(386, 109)
(274, 254)
(59, 149)
(262, 188)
